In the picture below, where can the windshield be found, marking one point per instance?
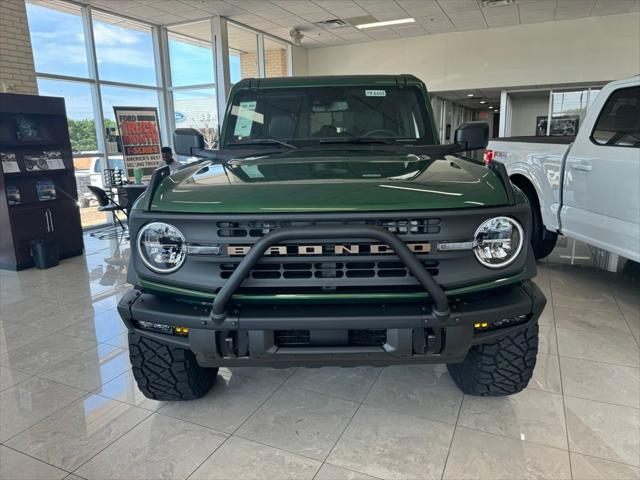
(312, 115)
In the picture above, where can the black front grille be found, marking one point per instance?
(328, 270)
(401, 226)
(367, 338)
(291, 338)
(356, 338)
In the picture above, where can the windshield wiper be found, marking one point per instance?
(357, 141)
(263, 141)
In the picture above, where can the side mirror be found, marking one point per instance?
(187, 141)
(472, 135)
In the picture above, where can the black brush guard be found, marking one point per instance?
(437, 330)
(219, 307)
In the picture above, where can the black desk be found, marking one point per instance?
(128, 194)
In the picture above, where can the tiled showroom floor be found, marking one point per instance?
(68, 403)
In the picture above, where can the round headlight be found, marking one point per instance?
(498, 242)
(162, 247)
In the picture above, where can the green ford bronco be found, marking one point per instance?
(331, 228)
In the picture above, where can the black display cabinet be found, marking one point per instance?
(38, 195)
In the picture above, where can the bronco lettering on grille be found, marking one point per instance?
(338, 249)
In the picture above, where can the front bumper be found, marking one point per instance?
(329, 334)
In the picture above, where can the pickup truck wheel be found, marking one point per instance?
(501, 367)
(165, 372)
(543, 241)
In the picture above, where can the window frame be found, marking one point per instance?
(600, 114)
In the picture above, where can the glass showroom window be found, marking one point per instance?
(57, 38)
(276, 58)
(193, 87)
(243, 53)
(191, 54)
(124, 50)
(568, 109)
(197, 109)
(87, 161)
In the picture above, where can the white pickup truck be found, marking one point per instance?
(586, 187)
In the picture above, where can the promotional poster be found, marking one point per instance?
(140, 137)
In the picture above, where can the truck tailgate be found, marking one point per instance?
(539, 160)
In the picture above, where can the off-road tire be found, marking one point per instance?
(543, 241)
(165, 372)
(501, 367)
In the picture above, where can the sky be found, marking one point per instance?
(123, 55)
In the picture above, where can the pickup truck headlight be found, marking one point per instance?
(162, 247)
(498, 242)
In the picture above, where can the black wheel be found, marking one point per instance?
(543, 241)
(164, 372)
(501, 367)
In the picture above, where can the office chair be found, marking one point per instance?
(106, 203)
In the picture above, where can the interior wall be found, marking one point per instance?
(584, 50)
(525, 110)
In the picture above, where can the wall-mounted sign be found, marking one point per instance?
(140, 138)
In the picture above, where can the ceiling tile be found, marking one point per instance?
(413, 31)
(539, 5)
(384, 16)
(503, 21)
(420, 7)
(247, 18)
(350, 12)
(317, 17)
(124, 5)
(142, 11)
(250, 5)
(166, 19)
(334, 4)
(297, 6)
(272, 14)
(431, 18)
(452, 6)
(171, 6)
(467, 17)
(223, 8)
(382, 34)
(502, 11)
(195, 14)
(579, 4)
(384, 6)
(440, 27)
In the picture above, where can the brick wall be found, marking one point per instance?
(17, 73)
(275, 63)
(249, 65)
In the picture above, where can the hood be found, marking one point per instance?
(330, 181)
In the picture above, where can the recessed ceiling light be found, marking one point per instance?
(490, 108)
(483, 102)
(386, 23)
(469, 94)
(496, 111)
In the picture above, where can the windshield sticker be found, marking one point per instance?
(246, 116)
(375, 93)
(252, 171)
